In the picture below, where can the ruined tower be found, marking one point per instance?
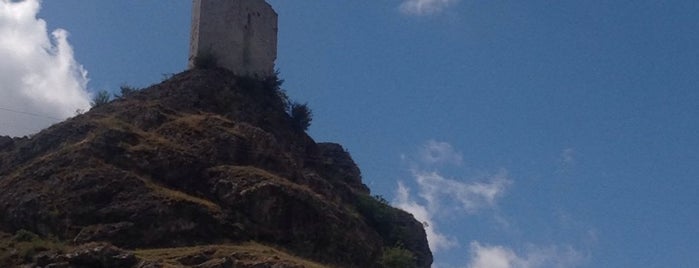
(240, 34)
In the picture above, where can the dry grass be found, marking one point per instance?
(249, 253)
(148, 140)
(254, 172)
(151, 141)
(177, 195)
(198, 123)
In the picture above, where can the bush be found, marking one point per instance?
(100, 99)
(25, 246)
(274, 82)
(379, 215)
(126, 91)
(397, 257)
(382, 200)
(25, 236)
(301, 116)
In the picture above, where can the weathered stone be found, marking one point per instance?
(101, 255)
(241, 35)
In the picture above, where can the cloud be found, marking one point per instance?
(436, 240)
(438, 196)
(441, 200)
(434, 152)
(40, 81)
(533, 257)
(425, 7)
(469, 197)
(568, 157)
(567, 160)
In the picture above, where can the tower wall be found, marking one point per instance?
(240, 34)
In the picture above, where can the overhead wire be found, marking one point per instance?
(31, 114)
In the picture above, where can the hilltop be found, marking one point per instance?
(205, 169)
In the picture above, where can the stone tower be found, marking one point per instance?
(240, 34)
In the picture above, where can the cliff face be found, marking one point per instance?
(205, 158)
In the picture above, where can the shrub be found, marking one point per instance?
(24, 236)
(125, 91)
(381, 200)
(274, 83)
(25, 246)
(378, 214)
(397, 257)
(100, 99)
(301, 115)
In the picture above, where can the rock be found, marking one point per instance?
(195, 259)
(101, 232)
(101, 255)
(203, 158)
(219, 263)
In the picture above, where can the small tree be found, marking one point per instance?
(301, 115)
(100, 99)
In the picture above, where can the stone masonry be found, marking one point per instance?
(240, 34)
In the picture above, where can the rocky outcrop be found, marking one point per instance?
(203, 158)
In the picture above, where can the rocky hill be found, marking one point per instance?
(203, 170)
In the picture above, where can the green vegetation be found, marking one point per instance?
(381, 199)
(24, 236)
(377, 212)
(262, 89)
(382, 217)
(301, 115)
(23, 246)
(274, 82)
(100, 99)
(397, 257)
(126, 91)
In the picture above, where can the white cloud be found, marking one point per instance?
(40, 81)
(439, 200)
(441, 193)
(438, 196)
(568, 156)
(533, 257)
(434, 152)
(567, 160)
(425, 7)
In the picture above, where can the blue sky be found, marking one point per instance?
(526, 133)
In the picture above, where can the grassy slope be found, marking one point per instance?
(22, 247)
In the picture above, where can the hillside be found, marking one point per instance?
(203, 170)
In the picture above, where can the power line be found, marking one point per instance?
(31, 114)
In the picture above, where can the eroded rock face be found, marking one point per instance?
(202, 158)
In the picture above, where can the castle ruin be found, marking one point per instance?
(241, 35)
